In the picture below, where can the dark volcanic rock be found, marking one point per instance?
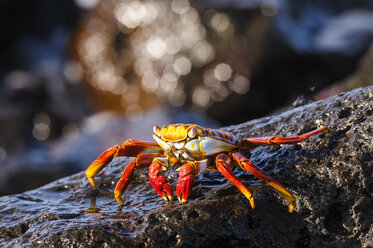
(330, 175)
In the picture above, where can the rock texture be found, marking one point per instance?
(330, 174)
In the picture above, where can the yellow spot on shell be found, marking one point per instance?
(174, 133)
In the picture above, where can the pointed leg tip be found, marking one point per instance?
(248, 195)
(118, 197)
(92, 182)
(291, 208)
(323, 129)
(119, 200)
(252, 203)
(181, 199)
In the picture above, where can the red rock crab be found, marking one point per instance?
(193, 149)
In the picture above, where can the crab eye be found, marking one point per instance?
(192, 132)
(156, 129)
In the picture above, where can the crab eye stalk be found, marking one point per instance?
(156, 129)
(192, 132)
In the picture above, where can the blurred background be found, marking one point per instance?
(78, 76)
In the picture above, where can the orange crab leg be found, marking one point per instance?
(274, 140)
(142, 160)
(130, 148)
(134, 147)
(159, 183)
(186, 179)
(225, 166)
(247, 165)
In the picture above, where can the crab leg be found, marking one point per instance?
(274, 140)
(142, 160)
(159, 183)
(225, 166)
(187, 174)
(247, 165)
(130, 148)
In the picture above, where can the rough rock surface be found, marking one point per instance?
(330, 175)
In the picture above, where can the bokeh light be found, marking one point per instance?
(223, 72)
(149, 52)
(41, 130)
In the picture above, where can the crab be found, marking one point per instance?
(192, 149)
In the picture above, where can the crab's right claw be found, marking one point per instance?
(185, 182)
(159, 183)
(100, 163)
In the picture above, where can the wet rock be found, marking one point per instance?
(330, 175)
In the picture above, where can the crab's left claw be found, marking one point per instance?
(158, 182)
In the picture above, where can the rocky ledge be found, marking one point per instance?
(330, 175)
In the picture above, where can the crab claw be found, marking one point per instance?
(159, 183)
(185, 182)
(100, 163)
